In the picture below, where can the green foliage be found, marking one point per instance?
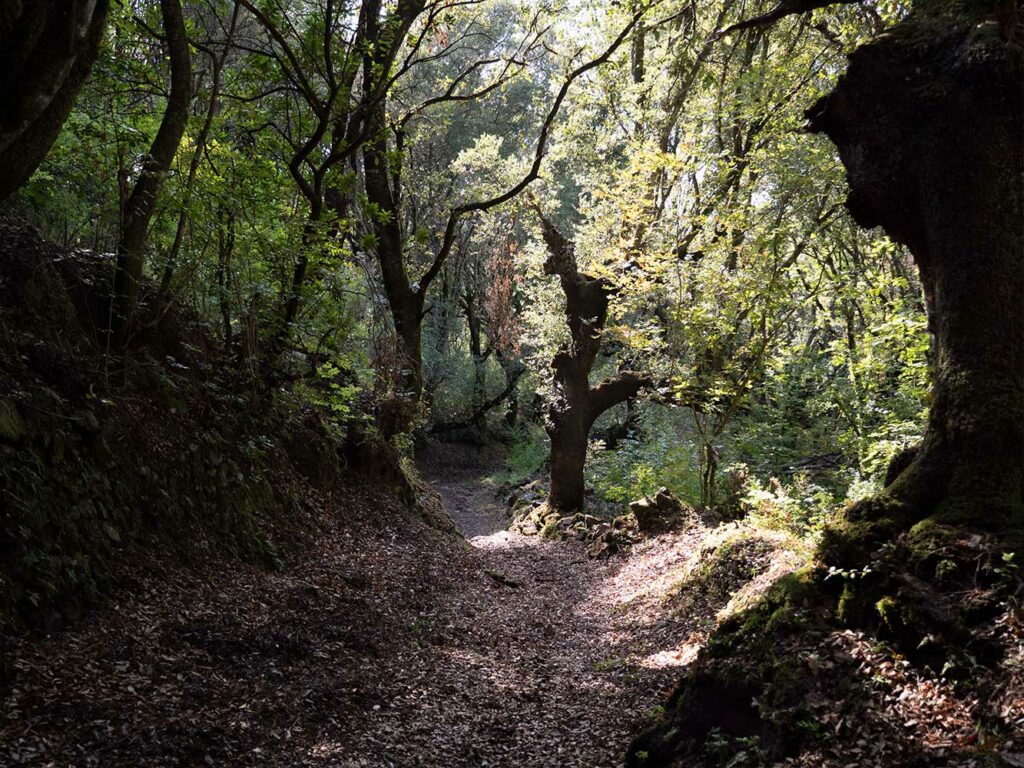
(800, 507)
(337, 388)
(732, 751)
(785, 339)
(637, 468)
(527, 452)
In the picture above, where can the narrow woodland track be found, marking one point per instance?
(389, 644)
(543, 670)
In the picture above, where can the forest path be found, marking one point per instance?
(385, 643)
(548, 667)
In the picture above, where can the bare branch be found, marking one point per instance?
(781, 11)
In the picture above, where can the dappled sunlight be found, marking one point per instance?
(651, 569)
(503, 540)
(663, 599)
(680, 656)
(508, 383)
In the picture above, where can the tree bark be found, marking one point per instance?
(479, 355)
(929, 122)
(138, 209)
(47, 49)
(226, 247)
(404, 300)
(311, 236)
(217, 63)
(569, 437)
(576, 404)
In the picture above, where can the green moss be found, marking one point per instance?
(783, 608)
(549, 528)
(945, 570)
(846, 609)
(928, 540)
(888, 609)
(849, 541)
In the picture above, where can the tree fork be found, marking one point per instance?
(577, 405)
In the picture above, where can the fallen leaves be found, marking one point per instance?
(394, 644)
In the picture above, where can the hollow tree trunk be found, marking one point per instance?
(47, 48)
(929, 122)
(138, 209)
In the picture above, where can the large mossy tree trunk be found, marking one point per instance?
(577, 404)
(929, 122)
(47, 49)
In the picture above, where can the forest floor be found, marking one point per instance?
(392, 644)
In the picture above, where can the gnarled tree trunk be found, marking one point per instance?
(47, 48)
(929, 122)
(577, 404)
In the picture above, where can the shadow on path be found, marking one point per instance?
(457, 471)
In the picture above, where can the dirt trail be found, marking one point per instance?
(553, 671)
(390, 644)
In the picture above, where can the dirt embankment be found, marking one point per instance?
(110, 464)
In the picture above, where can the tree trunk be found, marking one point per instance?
(478, 354)
(929, 122)
(138, 209)
(47, 48)
(404, 300)
(576, 404)
(293, 296)
(708, 475)
(218, 62)
(513, 369)
(226, 246)
(409, 324)
(569, 440)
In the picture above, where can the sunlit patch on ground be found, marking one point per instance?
(500, 540)
(675, 657)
